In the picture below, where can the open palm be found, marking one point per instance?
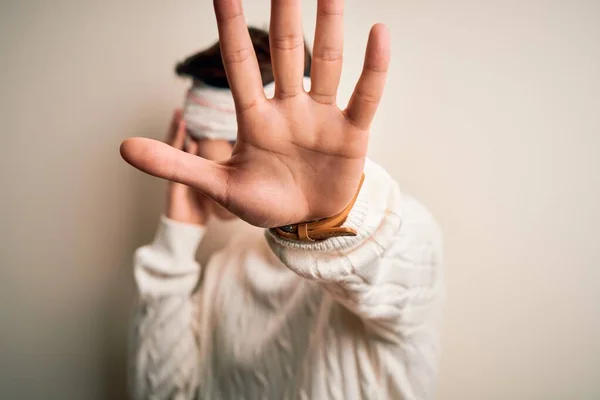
(298, 157)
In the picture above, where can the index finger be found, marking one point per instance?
(369, 89)
(238, 54)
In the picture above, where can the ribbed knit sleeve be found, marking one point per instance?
(390, 275)
(164, 356)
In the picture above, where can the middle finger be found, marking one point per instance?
(287, 47)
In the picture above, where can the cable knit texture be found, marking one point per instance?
(345, 318)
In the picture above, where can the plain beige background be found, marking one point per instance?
(491, 118)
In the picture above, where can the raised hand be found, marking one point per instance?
(298, 157)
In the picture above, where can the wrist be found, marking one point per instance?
(323, 228)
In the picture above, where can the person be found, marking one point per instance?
(340, 297)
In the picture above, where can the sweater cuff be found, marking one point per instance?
(178, 239)
(167, 266)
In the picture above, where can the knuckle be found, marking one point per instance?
(376, 68)
(288, 42)
(289, 91)
(174, 171)
(238, 56)
(329, 54)
(329, 11)
(323, 98)
(222, 192)
(227, 14)
(366, 98)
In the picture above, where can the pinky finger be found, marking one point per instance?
(369, 89)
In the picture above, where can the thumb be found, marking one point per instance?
(163, 161)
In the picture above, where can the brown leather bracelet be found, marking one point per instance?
(323, 228)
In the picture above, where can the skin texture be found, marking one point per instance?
(298, 156)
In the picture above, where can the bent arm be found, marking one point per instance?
(164, 352)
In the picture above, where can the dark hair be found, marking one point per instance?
(207, 65)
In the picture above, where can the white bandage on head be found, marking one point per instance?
(209, 112)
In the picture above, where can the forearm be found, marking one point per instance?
(163, 359)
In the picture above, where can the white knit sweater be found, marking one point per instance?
(346, 318)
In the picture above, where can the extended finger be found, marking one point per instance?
(369, 89)
(163, 161)
(327, 51)
(286, 41)
(238, 54)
